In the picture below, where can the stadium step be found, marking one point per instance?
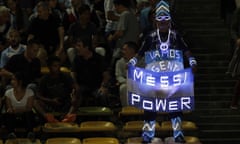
(209, 39)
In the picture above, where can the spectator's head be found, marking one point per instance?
(12, 4)
(81, 46)
(129, 50)
(52, 3)
(121, 5)
(14, 38)
(43, 10)
(76, 3)
(162, 15)
(4, 15)
(33, 47)
(19, 79)
(84, 14)
(54, 64)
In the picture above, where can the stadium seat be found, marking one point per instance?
(45, 70)
(36, 129)
(60, 127)
(192, 139)
(137, 126)
(129, 110)
(97, 126)
(63, 140)
(21, 141)
(94, 111)
(138, 140)
(134, 140)
(100, 140)
(186, 125)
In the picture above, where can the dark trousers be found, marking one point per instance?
(22, 120)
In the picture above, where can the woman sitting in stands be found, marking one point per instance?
(19, 104)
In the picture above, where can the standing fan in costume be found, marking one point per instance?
(163, 84)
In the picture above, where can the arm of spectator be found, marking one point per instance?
(61, 40)
(74, 102)
(9, 107)
(105, 82)
(3, 59)
(120, 76)
(30, 36)
(116, 35)
(112, 16)
(74, 77)
(44, 99)
(5, 73)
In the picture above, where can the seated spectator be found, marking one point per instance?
(87, 71)
(19, 104)
(48, 30)
(83, 28)
(25, 62)
(129, 50)
(127, 28)
(17, 18)
(54, 92)
(71, 13)
(15, 47)
(54, 10)
(5, 25)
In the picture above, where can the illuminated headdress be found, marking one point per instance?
(162, 11)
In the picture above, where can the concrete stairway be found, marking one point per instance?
(209, 40)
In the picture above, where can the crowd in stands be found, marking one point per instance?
(93, 38)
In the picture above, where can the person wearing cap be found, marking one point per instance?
(163, 38)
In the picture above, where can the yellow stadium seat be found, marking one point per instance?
(97, 126)
(61, 127)
(192, 139)
(134, 140)
(64, 140)
(186, 125)
(94, 111)
(137, 126)
(129, 110)
(65, 69)
(45, 70)
(100, 140)
(21, 141)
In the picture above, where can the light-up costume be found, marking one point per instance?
(162, 52)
